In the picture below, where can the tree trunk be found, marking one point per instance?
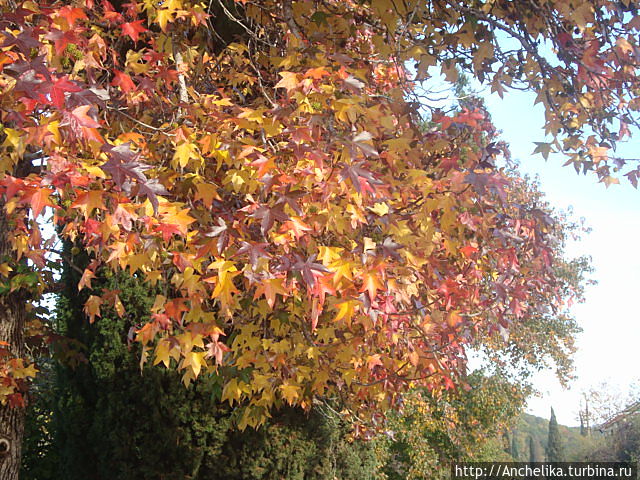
(12, 319)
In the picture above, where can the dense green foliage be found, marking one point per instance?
(620, 443)
(109, 420)
(461, 425)
(555, 446)
(531, 435)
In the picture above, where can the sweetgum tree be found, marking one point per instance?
(264, 163)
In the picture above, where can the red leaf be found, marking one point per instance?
(61, 39)
(123, 81)
(79, 115)
(133, 29)
(58, 90)
(168, 230)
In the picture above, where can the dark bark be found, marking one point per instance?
(12, 319)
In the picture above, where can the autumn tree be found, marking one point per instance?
(102, 417)
(469, 422)
(311, 239)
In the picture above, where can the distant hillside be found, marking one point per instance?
(537, 428)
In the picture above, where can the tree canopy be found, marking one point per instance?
(267, 166)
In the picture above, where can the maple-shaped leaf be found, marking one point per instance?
(270, 287)
(358, 176)
(374, 361)
(133, 29)
(268, 215)
(291, 198)
(448, 163)
(38, 200)
(220, 231)
(92, 307)
(255, 251)
(481, 181)
(33, 86)
(88, 96)
(17, 15)
(88, 201)
(309, 269)
(122, 80)
(389, 248)
(79, 117)
(123, 165)
(168, 230)
(60, 88)
(25, 41)
(353, 84)
(151, 189)
(289, 81)
(178, 217)
(371, 283)
(37, 64)
(290, 393)
(316, 73)
(216, 350)
(124, 217)
(360, 142)
(175, 308)
(110, 13)
(71, 14)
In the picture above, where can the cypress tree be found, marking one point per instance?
(532, 450)
(515, 453)
(555, 449)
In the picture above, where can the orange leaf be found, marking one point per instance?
(40, 199)
(71, 14)
(92, 307)
(371, 284)
(123, 81)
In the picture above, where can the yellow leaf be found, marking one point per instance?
(231, 392)
(345, 310)
(195, 361)
(158, 303)
(92, 307)
(184, 152)
(53, 127)
(85, 281)
(290, 393)
(119, 306)
(380, 209)
(371, 284)
(24, 372)
(164, 16)
(173, 216)
(163, 352)
(329, 254)
(5, 269)
(13, 138)
(95, 171)
(136, 261)
(289, 81)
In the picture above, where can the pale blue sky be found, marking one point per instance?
(609, 347)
